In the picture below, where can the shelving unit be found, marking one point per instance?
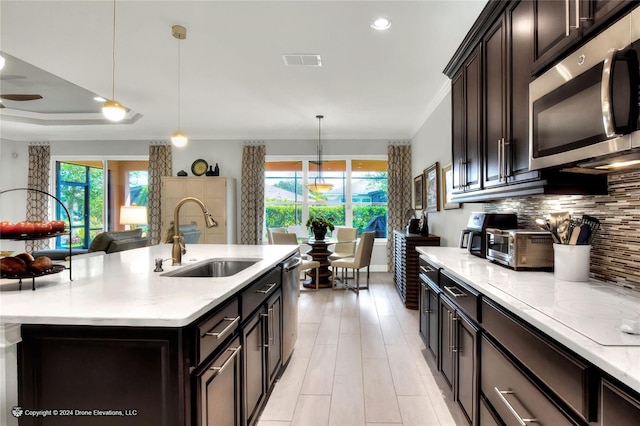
(26, 237)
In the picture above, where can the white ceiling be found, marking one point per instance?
(234, 84)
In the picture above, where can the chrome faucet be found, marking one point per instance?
(179, 247)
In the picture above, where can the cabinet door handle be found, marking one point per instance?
(500, 160)
(454, 333)
(271, 326)
(220, 369)
(454, 291)
(521, 421)
(425, 291)
(218, 335)
(504, 159)
(449, 331)
(577, 15)
(263, 291)
(567, 22)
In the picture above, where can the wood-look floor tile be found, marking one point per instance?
(417, 411)
(438, 400)
(380, 399)
(282, 402)
(406, 381)
(349, 325)
(272, 423)
(329, 330)
(318, 379)
(372, 341)
(347, 401)
(312, 410)
(349, 356)
(391, 331)
(307, 333)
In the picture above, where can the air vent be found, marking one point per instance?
(306, 60)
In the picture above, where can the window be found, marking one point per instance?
(358, 198)
(93, 191)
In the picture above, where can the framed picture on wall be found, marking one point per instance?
(432, 188)
(418, 192)
(447, 188)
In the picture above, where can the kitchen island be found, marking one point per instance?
(122, 291)
(568, 336)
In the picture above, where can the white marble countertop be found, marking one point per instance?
(580, 315)
(121, 289)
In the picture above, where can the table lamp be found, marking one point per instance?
(133, 215)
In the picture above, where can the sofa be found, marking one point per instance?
(189, 232)
(108, 242)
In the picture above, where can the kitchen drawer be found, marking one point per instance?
(216, 328)
(259, 292)
(465, 297)
(560, 371)
(513, 396)
(618, 406)
(428, 270)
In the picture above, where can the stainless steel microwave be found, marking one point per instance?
(586, 106)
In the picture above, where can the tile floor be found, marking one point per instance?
(357, 361)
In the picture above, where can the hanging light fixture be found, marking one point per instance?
(319, 185)
(112, 109)
(179, 139)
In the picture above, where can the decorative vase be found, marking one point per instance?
(319, 233)
(216, 171)
(210, 172)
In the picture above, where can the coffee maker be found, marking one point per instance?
(474, 236)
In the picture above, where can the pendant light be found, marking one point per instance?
(319, 185)
(112, 109)
(179, 139)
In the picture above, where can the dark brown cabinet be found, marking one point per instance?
(508, 59)
(560, 25)
(619, 407)
(261, 342)
(458, 357)
(466, 103)
(406, 264)
(218, 386)
(429, 308)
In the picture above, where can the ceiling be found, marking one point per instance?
(234, 82)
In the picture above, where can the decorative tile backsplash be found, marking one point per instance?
(615, 255)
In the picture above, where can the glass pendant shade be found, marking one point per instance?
(113, 111)
(319, 185)
(179, 139)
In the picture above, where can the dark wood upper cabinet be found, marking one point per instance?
(508, 58)
(467, 124)
(561, 25)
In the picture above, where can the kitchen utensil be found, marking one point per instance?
(563, 229)
(584, 238)
(593, 223)
(575, 233)
(544, 224)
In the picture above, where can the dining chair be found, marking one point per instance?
(271, 231)
(361, 259)
(307, 264)
(345, 245)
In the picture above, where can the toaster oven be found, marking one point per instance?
(520, 249)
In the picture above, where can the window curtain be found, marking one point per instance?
(159, 165)
(252, 204)
(399, 193)
(37, 202)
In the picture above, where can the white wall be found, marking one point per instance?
(430, 144)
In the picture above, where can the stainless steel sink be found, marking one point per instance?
(213, 268)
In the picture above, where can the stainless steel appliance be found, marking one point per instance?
(586, 107)
(473, 237)
(520, 249)
(290, 283)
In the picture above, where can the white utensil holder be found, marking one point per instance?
(571, 262)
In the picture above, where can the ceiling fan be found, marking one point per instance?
(18, 98)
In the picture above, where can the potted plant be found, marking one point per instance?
(319, 226)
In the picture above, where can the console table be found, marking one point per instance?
(406, 265)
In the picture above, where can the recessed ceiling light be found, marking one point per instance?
(381, 24)
(99, 99)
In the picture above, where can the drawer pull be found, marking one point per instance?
(218, 335)
(271, 286)
(220, 369)
(521, 421)
(456, 293)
